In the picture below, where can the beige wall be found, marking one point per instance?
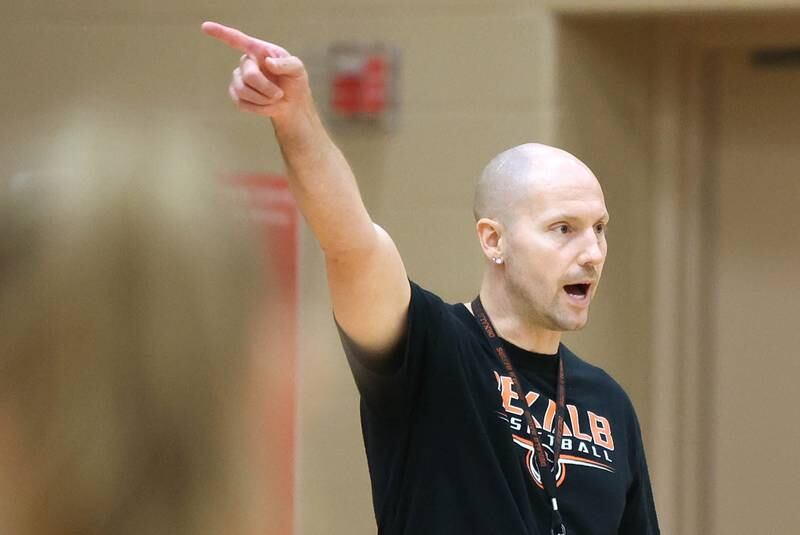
(755, 150)
(477, 77)
(660, 7)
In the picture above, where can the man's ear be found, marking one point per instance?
(490, 234)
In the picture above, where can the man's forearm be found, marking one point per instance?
(323, 184)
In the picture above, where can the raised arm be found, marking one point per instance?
(367, 280)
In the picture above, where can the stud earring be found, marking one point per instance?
(497, 260)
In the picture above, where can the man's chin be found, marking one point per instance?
(574, 323)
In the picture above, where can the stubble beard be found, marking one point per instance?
(530, 305)
(572, 324)
(553, 316)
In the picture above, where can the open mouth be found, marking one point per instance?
(578, 291)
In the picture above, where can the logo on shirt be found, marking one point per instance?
(587, 440)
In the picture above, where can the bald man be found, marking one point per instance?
(476, 419)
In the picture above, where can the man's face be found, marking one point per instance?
(555, 248)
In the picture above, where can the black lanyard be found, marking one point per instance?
(547, 474)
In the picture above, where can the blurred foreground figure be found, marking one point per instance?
(476, 419)
(127, 308)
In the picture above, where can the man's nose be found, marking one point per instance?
(593, 253)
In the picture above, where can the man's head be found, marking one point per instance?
(540, 212)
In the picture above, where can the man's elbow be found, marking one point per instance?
(355, 247)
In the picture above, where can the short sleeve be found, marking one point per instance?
(639, 517)
(388, 385)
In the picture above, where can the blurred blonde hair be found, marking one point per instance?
(127, 301)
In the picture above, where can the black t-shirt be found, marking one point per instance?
(448, 448)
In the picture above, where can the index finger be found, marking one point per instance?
(243, 42)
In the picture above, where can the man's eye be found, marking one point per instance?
(600, 228)
(563, 229)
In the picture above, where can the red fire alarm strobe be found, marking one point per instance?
(363, 81)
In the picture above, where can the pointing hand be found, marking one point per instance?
(268, 81)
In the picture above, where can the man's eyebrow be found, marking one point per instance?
(563, 216)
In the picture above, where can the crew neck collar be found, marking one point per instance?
(520, 357)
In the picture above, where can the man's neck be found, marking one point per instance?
(510, 323)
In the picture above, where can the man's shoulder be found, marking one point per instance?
(430, 299)
(439, 314)
(421, 293)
